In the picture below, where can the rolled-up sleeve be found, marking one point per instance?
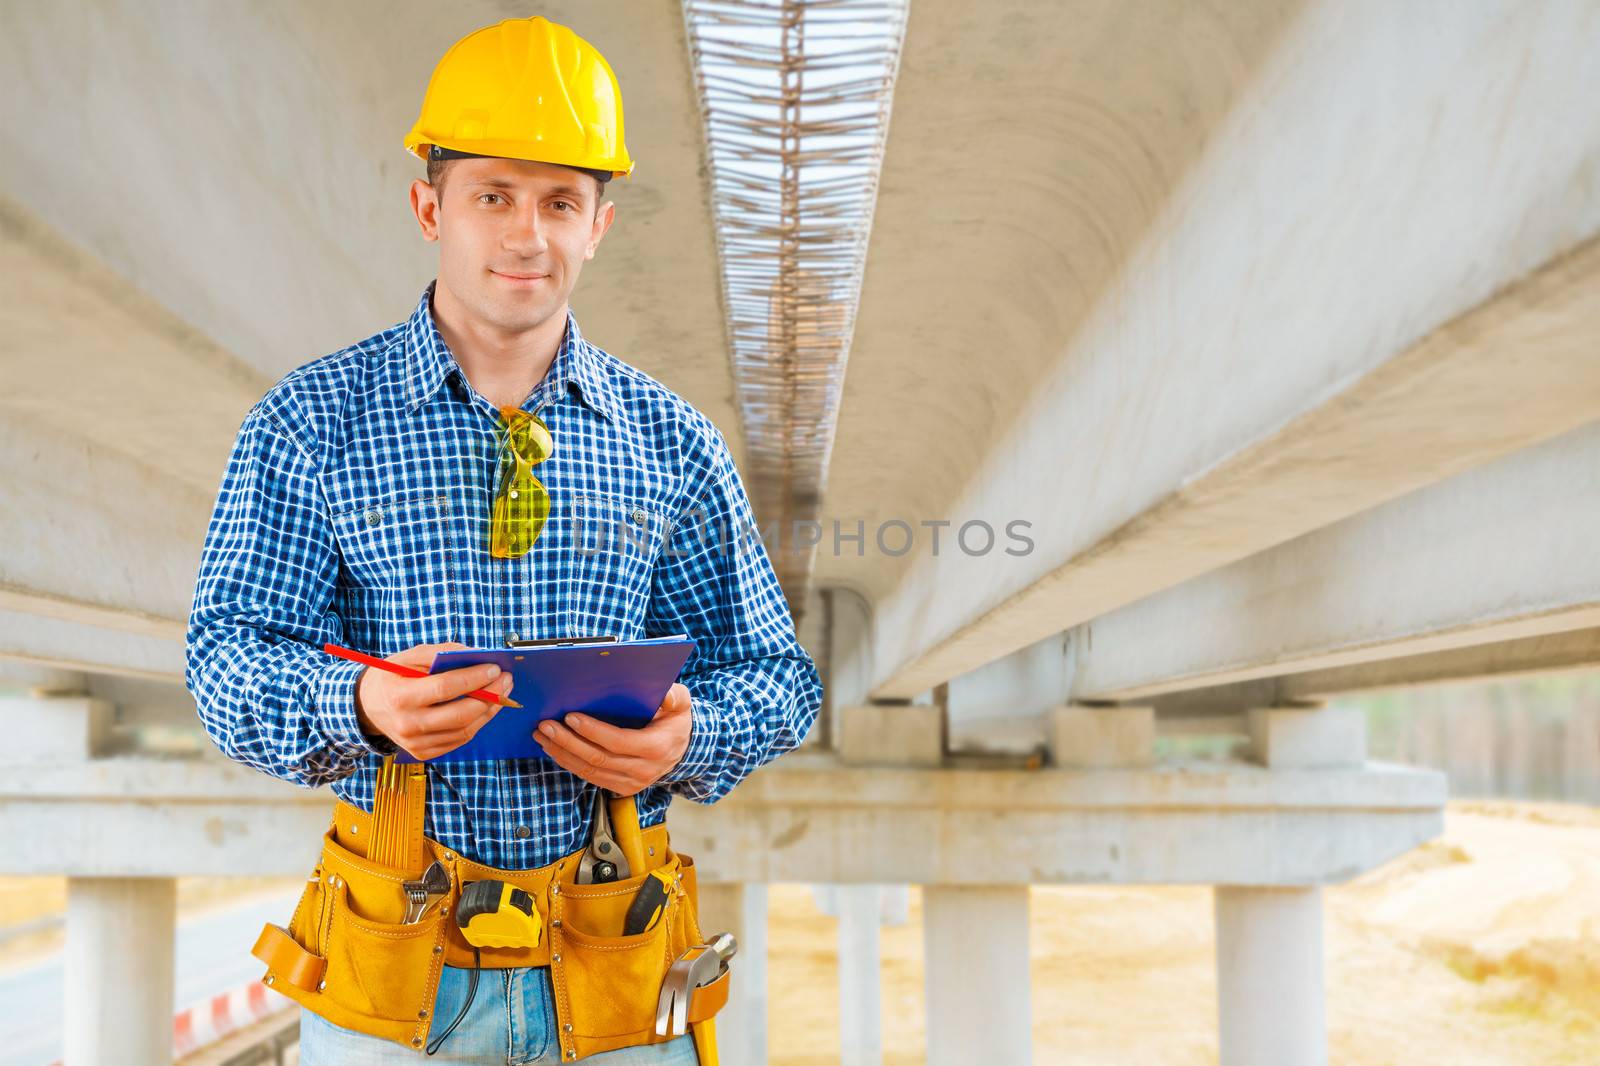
(267, 693)
(754, 690)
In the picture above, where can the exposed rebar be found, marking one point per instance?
(795, 96)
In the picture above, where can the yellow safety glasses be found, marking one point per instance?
(521, 503)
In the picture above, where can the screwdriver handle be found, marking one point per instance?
(648, 903)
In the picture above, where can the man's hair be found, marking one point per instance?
(437, 168)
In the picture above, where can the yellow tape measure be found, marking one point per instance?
(494, 914)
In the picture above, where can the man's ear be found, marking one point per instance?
(425, 205)
(602, 222)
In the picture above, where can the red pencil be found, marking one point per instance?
(410, 671)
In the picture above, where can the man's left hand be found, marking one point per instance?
(622, 760)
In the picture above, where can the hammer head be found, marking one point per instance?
(695, 968)
(725, 946)
(672, 1010)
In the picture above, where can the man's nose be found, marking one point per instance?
(525, 235)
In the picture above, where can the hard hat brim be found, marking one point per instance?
(439, 152)
(419, 146)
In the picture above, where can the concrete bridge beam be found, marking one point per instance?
(1363, 285)
(1501, 553)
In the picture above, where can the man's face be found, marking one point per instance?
(513, 236)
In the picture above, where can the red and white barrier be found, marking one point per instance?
(209, 1020)
(204, 1023)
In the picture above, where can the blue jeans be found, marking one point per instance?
(512, 1023)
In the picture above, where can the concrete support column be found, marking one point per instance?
(1269, 939)
(874, 735)
(977, 983)
(860, 988)
(121, 934)
(1269, 976)
(741, 909)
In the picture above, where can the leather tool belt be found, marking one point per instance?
(349, 955)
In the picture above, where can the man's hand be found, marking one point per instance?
(427, 716)
(622, 760)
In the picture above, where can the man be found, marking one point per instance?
(357, 508)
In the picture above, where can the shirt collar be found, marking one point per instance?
(430, 362)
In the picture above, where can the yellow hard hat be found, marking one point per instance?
(525, 89)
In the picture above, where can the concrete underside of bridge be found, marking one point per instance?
(1275, 320)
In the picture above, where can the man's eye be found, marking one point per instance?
(489, 196)
(563, 203)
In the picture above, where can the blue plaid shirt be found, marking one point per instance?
(355, 510)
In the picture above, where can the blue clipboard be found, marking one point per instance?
(622, 683)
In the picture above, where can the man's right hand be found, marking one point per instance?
(427, 716)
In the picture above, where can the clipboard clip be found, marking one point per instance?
(553, 642)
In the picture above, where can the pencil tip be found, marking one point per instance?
(509, 702)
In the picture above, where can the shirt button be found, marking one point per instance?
(523, 832)
(639, 515)
(374, 516)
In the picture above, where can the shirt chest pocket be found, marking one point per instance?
(395, 572)
(615, 544)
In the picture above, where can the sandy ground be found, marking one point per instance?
(1480, 949)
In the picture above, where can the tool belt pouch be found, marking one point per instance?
(348, 956)
(607, 987)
